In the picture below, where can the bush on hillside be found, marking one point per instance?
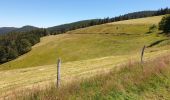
(164, 25)
(152, 28)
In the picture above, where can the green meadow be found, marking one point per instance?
(88, 52)
(89, 43)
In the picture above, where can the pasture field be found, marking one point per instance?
(84, 52)
(131, 82)
(88, 43)
(70, 71)
(145, 21)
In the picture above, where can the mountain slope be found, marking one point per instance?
(26, 28)
(88, 43)
(84, 53)
(148, 20)
(4, 30)
(140, 25)
(70, 26)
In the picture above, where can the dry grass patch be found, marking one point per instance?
(131, 82)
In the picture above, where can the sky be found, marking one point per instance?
(48, 13)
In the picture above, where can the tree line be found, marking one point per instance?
(86, 23)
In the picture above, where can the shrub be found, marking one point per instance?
(164, 25)
(152, 28)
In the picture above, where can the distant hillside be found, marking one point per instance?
(86, 23)
(71, 26)
(27, 28)
(80, 24)
(91, 22)
(134, 15)
(147, 20)
(4, 30)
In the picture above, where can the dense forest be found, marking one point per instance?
(15, 44)
(20, 41)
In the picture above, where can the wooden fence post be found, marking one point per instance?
(142, 55)
(58, 72)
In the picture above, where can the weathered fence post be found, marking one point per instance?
(142, 55)
(58, 72)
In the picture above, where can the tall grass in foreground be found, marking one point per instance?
(129, 83)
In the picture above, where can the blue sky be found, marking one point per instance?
(46, 13)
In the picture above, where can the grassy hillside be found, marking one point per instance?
(129, 83)
(88, 43)
(28, 77)
(149, 20)
(84, 53)
(128, 26)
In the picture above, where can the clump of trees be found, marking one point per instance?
(15, 44)
(162, 11)
(164, 24)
